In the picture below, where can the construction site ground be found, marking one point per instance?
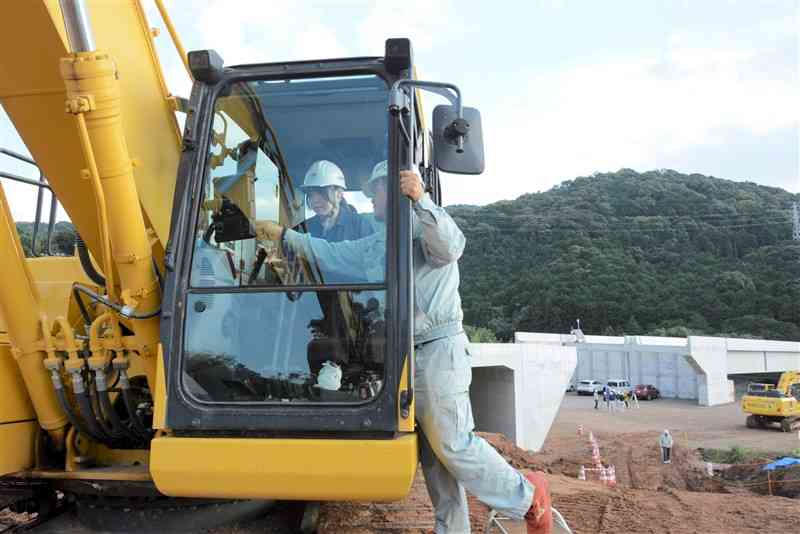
(649, 497)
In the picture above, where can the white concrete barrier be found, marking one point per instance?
(697, 367)
(517, 388)
(708, 355)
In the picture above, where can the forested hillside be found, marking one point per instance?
(660, 252)
(61, 243)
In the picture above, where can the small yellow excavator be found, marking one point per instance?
(177, 360)
(766, 404)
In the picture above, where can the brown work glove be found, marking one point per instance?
(268, 230)
(540, 514)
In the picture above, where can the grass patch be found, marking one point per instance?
(738, 455)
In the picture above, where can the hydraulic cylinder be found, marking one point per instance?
(19, 304)
(93, 93)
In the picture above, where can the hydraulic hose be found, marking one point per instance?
(114, 306)
(86, 262)
(108, 411)
(86, 411)
(97, 411)
(125, 386)
(82, 307)
(85, 408)
(94, 402)
(73, 418)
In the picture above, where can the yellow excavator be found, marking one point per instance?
(175, 359)
(766, 404)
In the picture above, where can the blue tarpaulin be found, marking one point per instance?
(783, 462)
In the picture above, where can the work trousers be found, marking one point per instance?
(453, 457)
(666, 454)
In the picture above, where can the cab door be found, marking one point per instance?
(261, 337)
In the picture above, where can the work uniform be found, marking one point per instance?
(349, 225)
(666, 447)
(453, 457)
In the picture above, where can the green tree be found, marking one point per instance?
(632, 327)
(479, 334)
(63, 243)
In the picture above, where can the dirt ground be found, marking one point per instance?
(649, 496)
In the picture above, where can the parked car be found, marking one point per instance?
(588, 387)
(646, 392)
(619, 386)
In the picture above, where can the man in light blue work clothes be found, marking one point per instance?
(666, 447)
(453, 457)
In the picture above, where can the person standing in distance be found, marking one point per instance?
(666, 447)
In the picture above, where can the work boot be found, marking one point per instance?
(540, 515)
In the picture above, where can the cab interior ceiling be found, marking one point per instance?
(326, 108)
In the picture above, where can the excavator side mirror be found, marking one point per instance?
(458, 142)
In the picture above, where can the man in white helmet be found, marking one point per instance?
(453, 457)
(334, 219)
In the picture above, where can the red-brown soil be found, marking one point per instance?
(649, 496)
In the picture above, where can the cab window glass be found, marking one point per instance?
(296, 152)
(266, 323)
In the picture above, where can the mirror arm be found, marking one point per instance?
(398, 103)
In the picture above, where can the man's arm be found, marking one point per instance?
(343, 257)
(442, 240)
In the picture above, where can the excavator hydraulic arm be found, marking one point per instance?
(100, 123)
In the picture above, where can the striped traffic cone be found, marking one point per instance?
(611, 479)
(603, 475)
(596, 456)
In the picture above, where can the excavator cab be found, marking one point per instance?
(272, 360)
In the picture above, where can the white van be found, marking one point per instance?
(588, 387)
(619, 386)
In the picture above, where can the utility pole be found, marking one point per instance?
(796, 221)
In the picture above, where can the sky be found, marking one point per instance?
(566, 88)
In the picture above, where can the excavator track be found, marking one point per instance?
(163, 514)
(35, 503)
(113, 506)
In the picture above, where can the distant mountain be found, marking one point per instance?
(658, 252)
(62, 240)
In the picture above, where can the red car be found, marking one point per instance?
(647, 392)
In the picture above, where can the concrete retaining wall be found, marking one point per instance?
(518, 388)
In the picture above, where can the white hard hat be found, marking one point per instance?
(380, 170)
(323, 173)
